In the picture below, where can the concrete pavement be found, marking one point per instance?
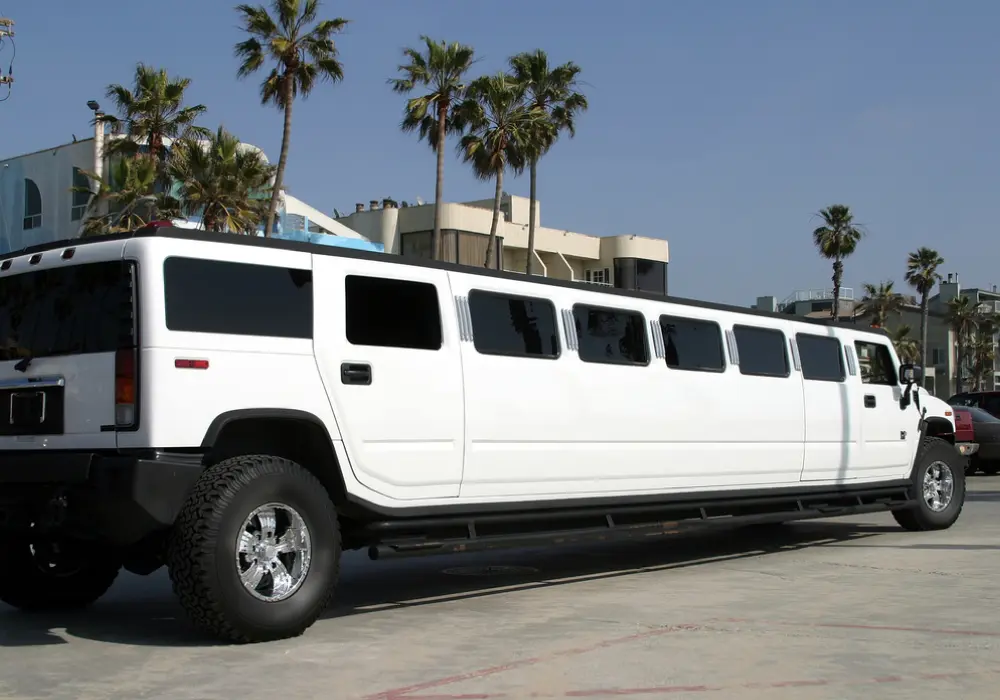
(851, 608)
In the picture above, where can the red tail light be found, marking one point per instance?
(125, 387)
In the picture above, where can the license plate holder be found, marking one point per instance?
(27, 408)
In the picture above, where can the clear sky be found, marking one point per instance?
(722, 125)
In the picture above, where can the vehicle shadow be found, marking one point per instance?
(142, 611)
(983, 496)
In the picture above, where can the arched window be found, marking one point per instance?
(32, 205)
(80, 199)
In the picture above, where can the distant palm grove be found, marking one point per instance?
(975, 327)
(501, 124)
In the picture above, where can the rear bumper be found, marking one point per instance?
(117, 496)
(967, 449)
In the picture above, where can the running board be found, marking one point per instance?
(471, 541)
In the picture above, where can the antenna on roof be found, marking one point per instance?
(420, 201)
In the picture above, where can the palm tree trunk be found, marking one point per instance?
(959, 351)
(838, 272)
(496, 219)
(923, 330)
(279, 175)
(439, 184)
(533, 173)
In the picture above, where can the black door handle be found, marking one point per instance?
(869, 401)
(351, 373)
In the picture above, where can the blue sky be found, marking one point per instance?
(721, 125)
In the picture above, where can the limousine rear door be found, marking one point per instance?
(387, 348)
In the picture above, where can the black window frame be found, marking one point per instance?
(647, 348)
(305, 333)
(398, 281)
(840, 357)
(706, 321)
(784, 351)
(521, 297)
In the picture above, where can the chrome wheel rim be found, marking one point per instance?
(273, 552)
(939, 486)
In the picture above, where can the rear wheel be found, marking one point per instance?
(255, 551)
(939, 482)
(55, 575)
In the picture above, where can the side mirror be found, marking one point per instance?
(909, 373)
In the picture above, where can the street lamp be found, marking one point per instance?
(94, 107)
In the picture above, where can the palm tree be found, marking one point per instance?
(500, 126)
(300, 53)
(922, 274)
(150, 112)
(126, 199)
(906, 346)
(836, 239)
(882, 301)
(441, 71)
(223, 180)
(962, 316)
(553, 92)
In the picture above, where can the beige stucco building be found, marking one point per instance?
(625, 261)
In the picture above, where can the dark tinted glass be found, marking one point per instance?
(66, 310)
(981, 416)
(213, 296)
(762, 351)
(392, 313)
(611, 336)
(513, 325)
(692, 343)
(820, 357)
(876, 363)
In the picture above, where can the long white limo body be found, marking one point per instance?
(272, 403)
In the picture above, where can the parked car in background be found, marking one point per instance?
(988, 401)
(986, 428)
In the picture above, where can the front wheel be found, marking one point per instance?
(255, 551)
(55, 575)
(939, 482)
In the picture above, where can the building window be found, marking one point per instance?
(937, 356)
(641, 275)
(392, 313)
(692, 344)
(600, 276)
(462, 247)
(212, 296)
(515, 326)
(80, 199)
(763, 351)
(876, 363)
(821, 358)
(611, 336)
(32, 206)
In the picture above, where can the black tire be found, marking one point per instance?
(202, 553)
(920, 516)
(56, 575)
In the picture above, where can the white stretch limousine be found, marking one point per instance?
(241, 410)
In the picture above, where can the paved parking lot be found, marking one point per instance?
(854, 608)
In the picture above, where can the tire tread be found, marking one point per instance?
(191, 558)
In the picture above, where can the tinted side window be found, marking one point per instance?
(876, 363)
(821, 357)
(392, 313)
(692, 343)
(611, 336)
(214, 296)
(516, 326)
(763, 351)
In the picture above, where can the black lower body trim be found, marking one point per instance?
(113, 496)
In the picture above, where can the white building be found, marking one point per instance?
(38, 206)
(627, 261)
